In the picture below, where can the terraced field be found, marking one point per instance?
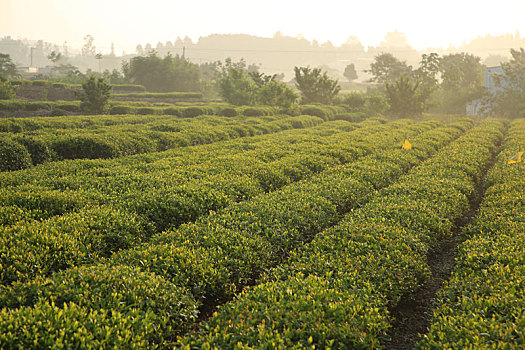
(260, 233)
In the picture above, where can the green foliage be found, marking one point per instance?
(509, 101)
(482, 303)
(237, 88)
(38, 149)
(96, 95)
(78, 327)
(369, 260)
(228, 112)
(7, 67)
(387, 69)
(164, 74)
(118, 288)
(7, 91)
(119, 110)
(315, 87)
(354, 100)
(461, 71)
(350, 72)
(407, 98)
(192, 112)
(13, 156)
(274, 93)
(78, 147)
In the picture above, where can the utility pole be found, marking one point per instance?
(183, 52)
(32, 56)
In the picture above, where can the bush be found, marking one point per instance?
(228, 112)
(38, 150)
(128, 88)
(173, 111)
(59, 85)
(192, 112)
(57, 112)
(7, 91)
(350, 117)
(13, 156)
(78, 147)
(40, 83)
(47, 326)
(253, 112)
(95, 96)
(110, 287)
(145, 110)
(68, 106)
(317, 111)
(120, 110)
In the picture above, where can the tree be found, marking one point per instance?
(350, 72)
(462, 78)
(163, 74)
(7, 67)
(54, 56)
(88, 49)
(241, 85)
(509, 100)
(461, 71)
(428, 70)
(276, 93)
(236, 87)
(96, 95)
(315, 87)
(406, 97)
(386, 69)
(7, 91)
(98, 56)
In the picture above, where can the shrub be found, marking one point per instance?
(120, 110)
(145, 110)
(13, 156)
(40, 83)
(110, 287)
(57, 112)
(7, 91)
(77, 147)
(38, 150)
(316, 111)
(253, 112)
(36, 328)
(192, 112)
(228, 112)
(95, 96)
(173, 111)
(350, 117)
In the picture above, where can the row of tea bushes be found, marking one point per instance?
(334, 292)
(149, 201)
(124, 139)
(482, 305)
(221, 256)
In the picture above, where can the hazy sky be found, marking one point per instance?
(130, 22)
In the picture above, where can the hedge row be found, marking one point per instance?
(48, 83)
(120, 140)
(163, 95)
(334, 292)
(482, 304)
(142, 203)
(320, 203)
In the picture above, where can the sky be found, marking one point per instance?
(127, 23)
